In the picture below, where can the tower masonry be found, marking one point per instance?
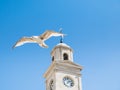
(63, 73)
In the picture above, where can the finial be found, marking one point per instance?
(61, 40)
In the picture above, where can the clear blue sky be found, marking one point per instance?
(93, 31)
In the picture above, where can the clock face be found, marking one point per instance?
(51, 85)
(68, 82)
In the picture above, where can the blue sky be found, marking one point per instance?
(93, 31)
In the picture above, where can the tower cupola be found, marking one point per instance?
(62, 52)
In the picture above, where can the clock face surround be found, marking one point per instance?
(68, 82)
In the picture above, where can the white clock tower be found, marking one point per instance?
(63, 73)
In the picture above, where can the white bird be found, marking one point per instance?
(38, 39)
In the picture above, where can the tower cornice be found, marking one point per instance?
(63, 66)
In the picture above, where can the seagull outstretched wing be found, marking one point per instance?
(25, 40)
(49, 33)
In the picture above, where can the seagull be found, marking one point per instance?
(40, 40)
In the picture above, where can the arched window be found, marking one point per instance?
(51, 85)
(53, 58)
(65, 56)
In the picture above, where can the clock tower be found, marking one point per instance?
(63, 73)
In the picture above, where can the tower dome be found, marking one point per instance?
(62, 52)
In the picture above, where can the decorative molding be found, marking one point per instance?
(63, 66)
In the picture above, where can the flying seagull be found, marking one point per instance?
(40, 40)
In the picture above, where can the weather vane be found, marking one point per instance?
(40, 40)
(60, 30)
